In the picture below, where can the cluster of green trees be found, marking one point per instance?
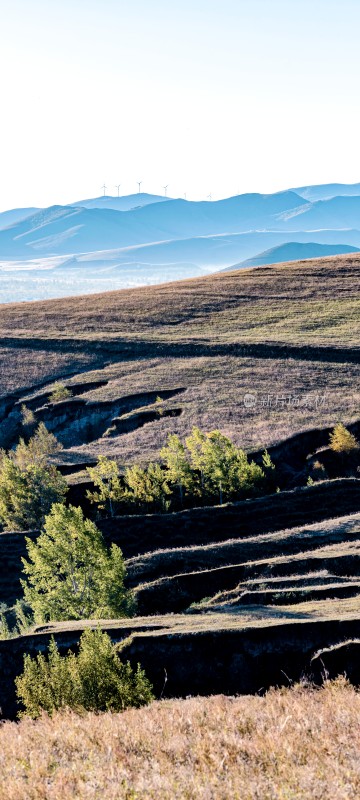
(206, 468)
(69, 573)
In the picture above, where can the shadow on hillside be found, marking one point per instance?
(127, 348)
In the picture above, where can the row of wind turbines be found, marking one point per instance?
(139, 183)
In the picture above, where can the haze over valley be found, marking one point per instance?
(108, 242)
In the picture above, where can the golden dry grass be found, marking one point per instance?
(313, 301)
(292, 744)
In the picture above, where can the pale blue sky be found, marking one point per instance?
(220, 96)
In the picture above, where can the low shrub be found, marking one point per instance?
(60, 392)
(94, 680)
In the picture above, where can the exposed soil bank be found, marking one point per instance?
(206, 662)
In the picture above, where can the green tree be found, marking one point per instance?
(224, 470)
(93, 680)
(70, 574)
(227, 469)
(147, 487)
(26, 495)
(195, 444)
(176, 460)
(342, 441)
(105, 477)
(40, 447)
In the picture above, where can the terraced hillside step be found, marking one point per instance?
(296, 594)
(37, 399)
(165, 563)
(278, 583)
(138, 535)
(319, 578)
(178, 592)
(77, 420)
(292, 455)
(132, 422)
(199, 655)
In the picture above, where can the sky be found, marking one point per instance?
(212, 97)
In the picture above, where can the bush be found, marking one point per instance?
(28, 418)
(60, 392)
(342, 441)
(93, 680)
(71, 574)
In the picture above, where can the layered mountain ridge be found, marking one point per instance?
(118, 242)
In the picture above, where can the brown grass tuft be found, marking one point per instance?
(291, 744)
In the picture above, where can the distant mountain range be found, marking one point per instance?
(111, 242)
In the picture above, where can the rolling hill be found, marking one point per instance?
(336, 213)
(229, 598)
(15, 215)
(327, 190)
(295, 251)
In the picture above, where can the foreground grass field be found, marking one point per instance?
(290, 744)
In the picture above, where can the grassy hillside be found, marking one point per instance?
(293, 743)
(288, 334)
(232, 598)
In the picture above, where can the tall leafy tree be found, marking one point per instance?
(147, 487)
(108, 490)
(29, 484)
(40, 447)
(70, 574)
(176, 460)
(26, 495)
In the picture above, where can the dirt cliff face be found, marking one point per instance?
(206, 662)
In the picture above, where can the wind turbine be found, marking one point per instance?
(209, 197)
(139, 184)
(104, 187)
(117, 186)
(165, 189)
